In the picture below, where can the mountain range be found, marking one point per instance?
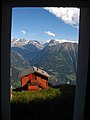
(59, 59)
(26, 48)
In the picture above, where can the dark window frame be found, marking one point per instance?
(83, 55)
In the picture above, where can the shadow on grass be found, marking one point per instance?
(58, 108)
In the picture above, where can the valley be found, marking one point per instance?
(58, 59)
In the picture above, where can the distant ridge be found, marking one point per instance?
(57, 57)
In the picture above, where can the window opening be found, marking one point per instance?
(44, 43)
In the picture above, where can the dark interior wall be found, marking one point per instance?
(49, 3)
(5, 61)
(81, 93)
(83, 61)
(87, 95)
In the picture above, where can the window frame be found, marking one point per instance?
(83, 54)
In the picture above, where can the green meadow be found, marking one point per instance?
(56, 103)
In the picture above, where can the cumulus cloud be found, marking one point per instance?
(50, 33)
(68, 15)
(23, 31)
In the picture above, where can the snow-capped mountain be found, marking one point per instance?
(26, 48)
(23, 42)
(18, 42)
(52, 42)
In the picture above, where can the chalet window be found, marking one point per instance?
(34, 76)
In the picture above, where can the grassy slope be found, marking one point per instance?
(56, 103)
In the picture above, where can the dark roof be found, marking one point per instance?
(33, 69)
(26, 72)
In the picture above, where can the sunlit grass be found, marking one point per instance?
(25, 96)
(56, 103)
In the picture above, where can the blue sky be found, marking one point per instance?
(42, 24)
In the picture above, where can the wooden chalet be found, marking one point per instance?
(33, 79)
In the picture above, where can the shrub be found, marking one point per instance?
(26, 97)
(56, 103)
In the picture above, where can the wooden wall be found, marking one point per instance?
(24, 80)
(31, 88)
(36, 78)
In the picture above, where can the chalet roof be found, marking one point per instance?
(26, 72)
(42, 72)
(33, 69)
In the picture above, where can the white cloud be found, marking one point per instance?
(68, 15)
(50, 33)
(63, 40)
(23, 31)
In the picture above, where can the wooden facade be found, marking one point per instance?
(34, 79)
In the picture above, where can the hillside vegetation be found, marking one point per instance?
(56, 103)
(58, 59)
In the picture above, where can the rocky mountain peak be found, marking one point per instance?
(22, 42)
